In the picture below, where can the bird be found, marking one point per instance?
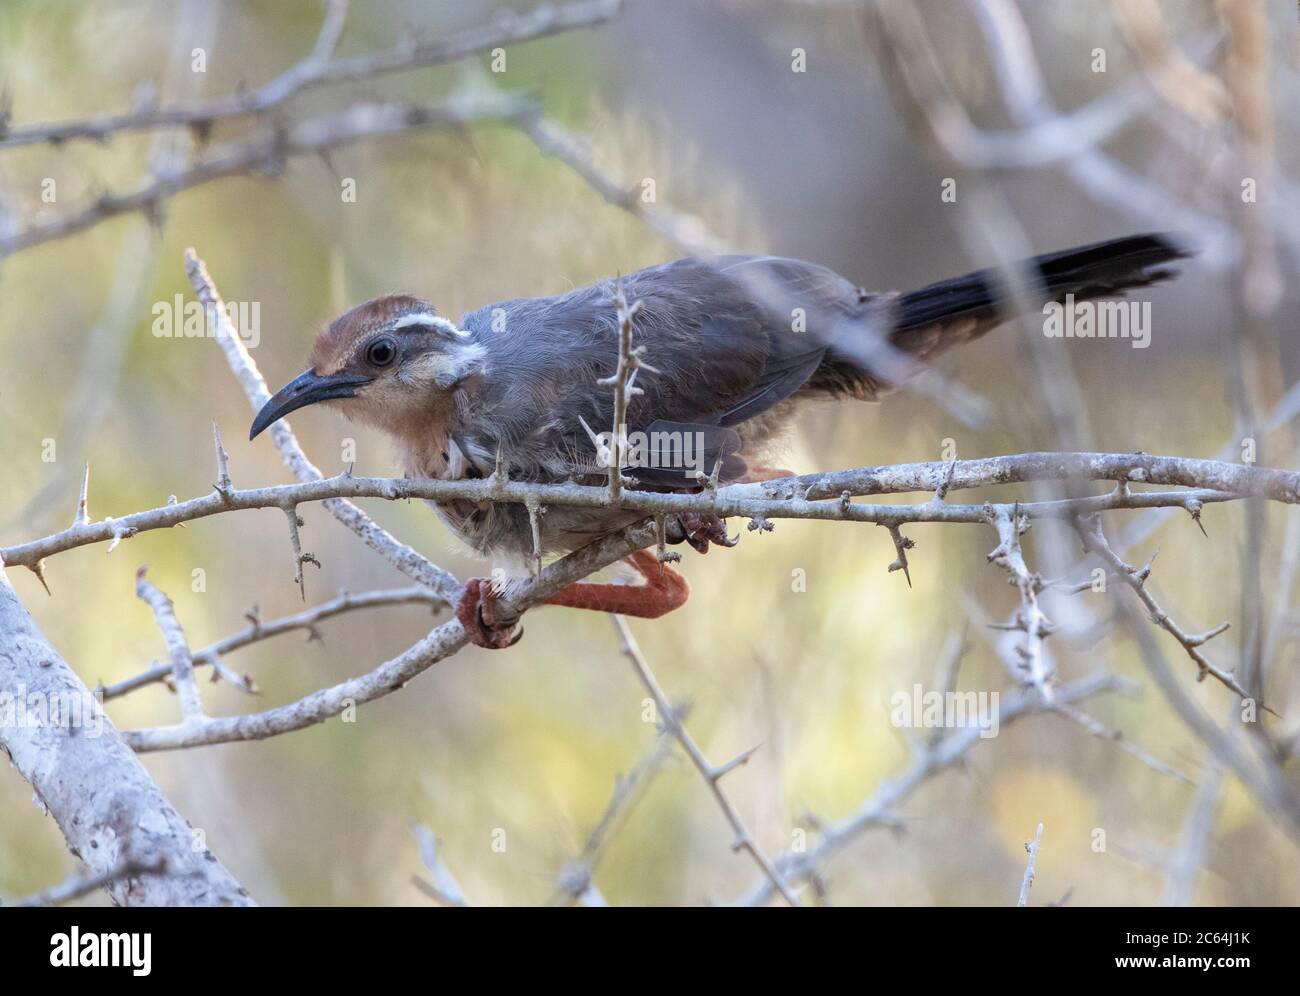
(732, 348)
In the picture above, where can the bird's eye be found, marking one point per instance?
(381, 352)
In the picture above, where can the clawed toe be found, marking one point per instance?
(479, 611)
(701, 529)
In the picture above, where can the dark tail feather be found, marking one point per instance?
(1104, 269)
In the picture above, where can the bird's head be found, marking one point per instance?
(392, 363)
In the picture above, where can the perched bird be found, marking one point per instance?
(734, 346)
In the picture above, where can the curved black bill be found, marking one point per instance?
(305, 389)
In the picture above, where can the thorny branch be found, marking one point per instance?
(267, 154)
(1029, 619)
(743, 839)
(623, 381)
(258, 630)
(880, 809)
(1136, 578)
(801, 497)
(321, 68)
(1256, 762)
(267, 150)
(111, 813)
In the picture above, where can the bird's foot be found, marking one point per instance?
(486, 622)
(700, 529)
(664, 590)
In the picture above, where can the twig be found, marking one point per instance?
(178, 649)
(84, 883)
(1260, 770)
(1103, 732)
(744, 840)
(1034, 666)
(320, 68)
(444, 888)
(802, 497)
(1094, 541)
(259, 630)
(1027, 883)
(266, 152)
(622, 381)
(388, 677)
(108, 808)
(879, 809)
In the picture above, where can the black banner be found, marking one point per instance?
(135, 947)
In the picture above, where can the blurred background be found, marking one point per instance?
(833, 163)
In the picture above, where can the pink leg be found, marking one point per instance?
(664, 590)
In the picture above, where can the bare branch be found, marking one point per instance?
(444, 888)
(83, 515)
(629, 362)
(1033, 665)
(110, 811)
(178, 648)
(1095, 542)
(267, 152)
(1102, 732)
(744, 840)
(84, 883)
(880, 808)
(802, 497)
(388, 677)
(259, 630)
(1027, 883)
(321, 68)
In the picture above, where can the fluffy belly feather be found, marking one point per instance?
(501, 531)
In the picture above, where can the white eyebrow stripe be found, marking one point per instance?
(436, 322)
